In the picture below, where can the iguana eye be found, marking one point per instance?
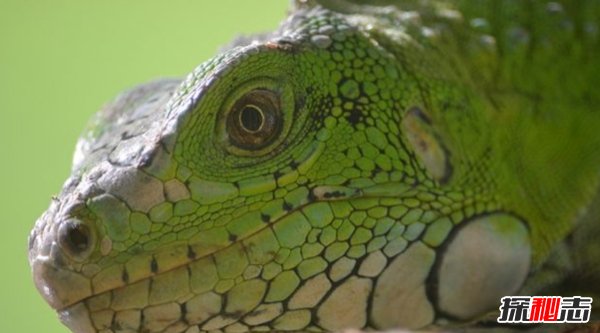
(75, 239)
(252, 118)
(255, 120)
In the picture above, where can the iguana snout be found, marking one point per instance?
(55, 277)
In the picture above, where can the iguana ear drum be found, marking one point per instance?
(486, 259)
(426, 144)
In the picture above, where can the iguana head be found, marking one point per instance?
(291, 183)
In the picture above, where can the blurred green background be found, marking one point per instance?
(59, 62)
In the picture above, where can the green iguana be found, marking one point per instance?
(397, 164)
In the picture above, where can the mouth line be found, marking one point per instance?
(330, 194)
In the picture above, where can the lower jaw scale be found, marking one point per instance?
(77, 318)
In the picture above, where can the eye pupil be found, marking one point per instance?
(251, 118)
(255, 120)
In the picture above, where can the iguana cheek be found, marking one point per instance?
(400, 298)
(486, 259)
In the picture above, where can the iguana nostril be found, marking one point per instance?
(75, 238)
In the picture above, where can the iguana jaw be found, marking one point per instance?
(63, 282)
(77, 319)
(463, 251)
(73, 295)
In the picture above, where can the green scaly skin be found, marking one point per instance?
(363, 166)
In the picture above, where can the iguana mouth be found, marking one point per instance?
(59, 284)
(63, 285)
(77, 318)
(83, 306)
(73, 287)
